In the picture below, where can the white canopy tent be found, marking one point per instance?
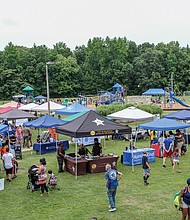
(44, 107)
(132, 114)
(28, 107)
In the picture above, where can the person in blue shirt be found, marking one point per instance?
(112, 184)
(167, 145)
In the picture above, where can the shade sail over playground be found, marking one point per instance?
(180, 115)
(28, 107)
(44, 107)
(16, 114)
(164, 124)
(92, 124)
(154, 91)
(46, 121)
(131, 114)
(72, 109)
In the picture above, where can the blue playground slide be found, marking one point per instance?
(177, 100)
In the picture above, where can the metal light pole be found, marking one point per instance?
(47, 85)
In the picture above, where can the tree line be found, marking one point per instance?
(94, 67)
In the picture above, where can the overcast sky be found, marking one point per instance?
(74, 22)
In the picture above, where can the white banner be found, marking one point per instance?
(2, 184)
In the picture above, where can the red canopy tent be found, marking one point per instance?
(3, 110)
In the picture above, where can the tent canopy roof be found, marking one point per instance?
(16, 114)
(10, 104)
(180, 115)
(92, 124)
(164, 124)
(72, 109)
(40, 97)
(6, 109)
(131, 114)
(46, 121)
(44, 107)
(3, 128)
(28, 88)
(28, 107)
(154, 91)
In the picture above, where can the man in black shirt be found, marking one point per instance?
(60, 157)
(12, 142)
(83, 151)
(146, 168)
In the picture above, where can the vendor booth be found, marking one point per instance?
(91, 124)
(49, 147)
(47, 121)
(163, 125)
(135, 157)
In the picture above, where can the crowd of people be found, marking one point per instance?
(171, 146)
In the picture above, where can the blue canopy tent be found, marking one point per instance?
(180, 115)
(154, 91)
(72, 109)
(40, 97)
(46, 121)
(4, 129)
(164, 124)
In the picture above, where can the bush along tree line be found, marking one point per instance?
(97, 66)
(114, 107)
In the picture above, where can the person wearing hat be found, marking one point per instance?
(185, 204)
(146, 168)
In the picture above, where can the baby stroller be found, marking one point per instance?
(33, 178)
(52, 182)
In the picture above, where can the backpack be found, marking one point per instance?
(176, 199)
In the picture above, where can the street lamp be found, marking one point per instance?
(47, 85)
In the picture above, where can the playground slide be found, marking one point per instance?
(179, 101)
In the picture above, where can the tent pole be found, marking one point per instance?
(104, 144)
(131, 146)
(40, 141)
(76, 160)
(163, 146)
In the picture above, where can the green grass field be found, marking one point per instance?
(86, 197)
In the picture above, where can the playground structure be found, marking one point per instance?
(106, 98)
(29, 95)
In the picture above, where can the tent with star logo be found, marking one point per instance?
(92, 124)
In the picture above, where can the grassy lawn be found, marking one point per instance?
(86, 197)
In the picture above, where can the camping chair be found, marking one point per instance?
(65, 103)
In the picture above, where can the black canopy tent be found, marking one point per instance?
(91, 124)
(16, 114)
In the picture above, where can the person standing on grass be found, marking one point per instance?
(60, 157)
(112, 184)
(185, 204)
(176, 161)
(167, 151)
(42, 176)
(146, 168)
(8, 164)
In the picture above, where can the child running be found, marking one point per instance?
(176, 161)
